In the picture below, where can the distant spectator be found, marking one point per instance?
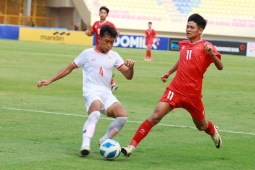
(76, 26)
(84, 27)
(33, 24)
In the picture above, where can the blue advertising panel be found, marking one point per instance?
(9, 32)
(134, 41)
(94, 39)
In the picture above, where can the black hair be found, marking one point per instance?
(108, 30)
(198, 19)
(104, 8)
(149, 22)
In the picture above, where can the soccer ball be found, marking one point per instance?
(110, 149)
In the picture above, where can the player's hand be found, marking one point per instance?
(208, 49)
(129, 63)
(43, 83)
(87, 32)
(157, 43)
(164, 77)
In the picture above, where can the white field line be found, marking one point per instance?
(130, 121)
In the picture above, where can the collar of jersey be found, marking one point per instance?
(98, 50)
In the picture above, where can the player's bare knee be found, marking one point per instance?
(201, 128)
(155, 119)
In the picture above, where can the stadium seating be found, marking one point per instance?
(228, 12)
(171, 15)
(219, 12)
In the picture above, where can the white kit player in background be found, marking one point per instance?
(98, 64)
(95, 29)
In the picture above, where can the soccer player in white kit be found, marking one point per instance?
(98, 64)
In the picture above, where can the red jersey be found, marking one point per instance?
(193, 63)
(150, 35)
(97, 26)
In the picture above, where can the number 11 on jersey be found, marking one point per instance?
(170, 95)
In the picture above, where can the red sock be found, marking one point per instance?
(147, 54)
(141, 132)
(210, 130)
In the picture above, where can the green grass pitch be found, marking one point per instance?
(41, 128)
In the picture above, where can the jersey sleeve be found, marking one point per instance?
(119, 61)
(80, 60)
(93, 28)
(215, 51)
(182, 44)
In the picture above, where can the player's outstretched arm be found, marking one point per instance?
(128, 69)
(62, 73)
(157, 42)
(171, 71)
(89, 32)
(217, 62)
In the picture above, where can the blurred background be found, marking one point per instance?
(228, 20)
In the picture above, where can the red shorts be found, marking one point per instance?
(193, 105)
(149, 45)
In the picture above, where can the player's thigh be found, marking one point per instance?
(93, 102)
(195, 107)
(160, 111)
(96, 105)
(116, 110)
(112, 107)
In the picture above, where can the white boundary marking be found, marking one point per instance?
(67, 114)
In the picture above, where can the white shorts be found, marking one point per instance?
(107, 99)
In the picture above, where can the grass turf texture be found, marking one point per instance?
(41, 129)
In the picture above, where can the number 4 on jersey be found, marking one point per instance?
(101, 72)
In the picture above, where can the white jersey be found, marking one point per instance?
(97, 69)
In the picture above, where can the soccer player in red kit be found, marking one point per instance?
(185, 90)
(149, 36)
(103, 13)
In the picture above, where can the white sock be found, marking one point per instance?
(89, 128)
(114, 128)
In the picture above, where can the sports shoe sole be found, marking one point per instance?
(125, 153)
(84, 152)
(220, 140)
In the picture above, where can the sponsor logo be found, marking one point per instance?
(174, 44)
(227, 49)
(56, 36)
(142, 131)
(224, 47)
(133, 42)
(230, 47)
